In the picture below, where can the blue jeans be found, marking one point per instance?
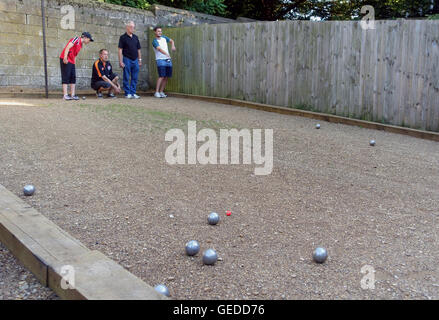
(131, 69)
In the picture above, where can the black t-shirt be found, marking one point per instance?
(129, 46)
(101, 68)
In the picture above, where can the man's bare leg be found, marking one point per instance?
(72, 89)
(164, 83)
(159, 83)
(64, 89)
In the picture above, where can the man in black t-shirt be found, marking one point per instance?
(130, 59)
(103, 78)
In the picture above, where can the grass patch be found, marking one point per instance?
(152, 120)
(304, 106)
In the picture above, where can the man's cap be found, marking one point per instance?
(88, 35)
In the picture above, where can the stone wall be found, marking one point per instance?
(170, 17)
(21, 38)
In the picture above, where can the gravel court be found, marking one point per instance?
(17, 283)
(101, 175)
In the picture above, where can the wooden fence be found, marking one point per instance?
(389, 74)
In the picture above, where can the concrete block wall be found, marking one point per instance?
(173, 17)
(21, 39)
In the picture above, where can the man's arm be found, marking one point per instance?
(121, 64)
(139, 54)
(120, 46)
(66, 52)
(140, 57)
(163, 51)
(169, 40)
(115, 80)
(104, 77)
(172, 44)
(113, 85)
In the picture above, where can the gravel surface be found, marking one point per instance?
(17, 283)
(100, 172)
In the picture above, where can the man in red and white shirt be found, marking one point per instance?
(67, 62)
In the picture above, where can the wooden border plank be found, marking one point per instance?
(44, 248)
(434, 136)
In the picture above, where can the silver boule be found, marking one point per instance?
(320, 255)
(213, 218)
(210, 257)
(161, 288)
(29, 190)
(192, 248)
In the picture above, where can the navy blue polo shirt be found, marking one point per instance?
(129, 46)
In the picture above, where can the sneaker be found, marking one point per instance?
(99, 95)
(135, 96)
(111, 95)
(157, 95)
(162, 94)
(129, 96)
(67, 97)
(75, 98)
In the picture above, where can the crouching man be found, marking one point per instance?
(103, 78)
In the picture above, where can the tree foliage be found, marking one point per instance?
(214, 7)
(384, 9)
(270, 10)
(329, 9)
(141, 4)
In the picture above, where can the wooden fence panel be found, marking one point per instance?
(389, 74)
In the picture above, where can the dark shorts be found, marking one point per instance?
(164, 68)
(68, 72)
(100, 84)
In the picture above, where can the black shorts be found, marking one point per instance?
(68, 72)
(100, 84)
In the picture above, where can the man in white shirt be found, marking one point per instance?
(163, 60)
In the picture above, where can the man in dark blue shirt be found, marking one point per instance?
(130, 59)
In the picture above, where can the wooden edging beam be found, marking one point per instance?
(428, 135)
(61, 262)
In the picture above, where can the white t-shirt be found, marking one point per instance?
(161, 42)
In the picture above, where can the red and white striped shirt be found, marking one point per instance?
(73, 52)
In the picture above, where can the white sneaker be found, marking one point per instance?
(162, 94)
(157, 95)
(135, 96)
(129, 96)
